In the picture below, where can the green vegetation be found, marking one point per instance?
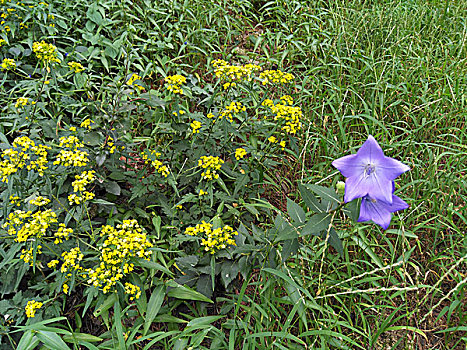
(166, 174)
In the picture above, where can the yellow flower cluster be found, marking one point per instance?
(72, 156)
(211, 165)
(233, 74)
(15, 200)
(75, 67)
(79, 187)
(240, 153)
(47, 53)
(131, 81)
(150, 157)
(289, 115)
(31, 308)
(87, 124)
(233, 108)
(28, 255)
(63, 233)
(74, 198)
(2, 42)
(23, 101)
(174, 83)
(132, 290)
(71, 260)
(273, 139)
(24, 224)
(180, 112)
(8, 64)
(24, 154)
(213, 240)
(111, 144)
(39, 201)
(126, 242)
(52, 263)
(275, 77)
(196, 125)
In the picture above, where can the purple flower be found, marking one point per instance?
(380, 212)
(369, 173)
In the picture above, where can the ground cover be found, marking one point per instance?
(167, 177)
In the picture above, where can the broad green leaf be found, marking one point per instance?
(106, 305)
(316, 224)
(80, 337)
(310, 200)
(28, 341)
(154, 305)
(182, 292)
(52, 340)
(295, 212)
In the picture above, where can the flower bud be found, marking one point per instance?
(340, 187)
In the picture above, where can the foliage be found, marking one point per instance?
(167, 181)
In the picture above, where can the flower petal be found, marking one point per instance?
(391, 168)
(349, 165)
(370, 151)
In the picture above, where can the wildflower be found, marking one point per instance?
(75, 67)
(174, 83)
(202, 193)
(180, 112)
(74, 198)
(282, 144)
(8, 64)
(131, 81)
(28, 255)
(15, 200)
(87, 124)
(31, 308)
(196, 125)
(132, 290)
(65, 288)
(62, 233)
(71, 260)
(121, 245)
(72, 128)
(150, 157)
(275, 77)
(240, 153)
(288, 115)
(380, 211)
(272, 139)
(52, 263)
(39, 201)
(233, 74)
(2, 42)
(23, 101)
(211, 165)
(233, 108)
(46, 53)
(369, 173)
(213, 239)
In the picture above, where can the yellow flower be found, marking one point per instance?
(39, 201)
(174, 83)
(52, 263)
(272, 139)
(131, 81)
(196, 125)
(31, 308)
(75, 67)
(202, 193)
(275, 77)
(87, 124)
(240, 153)
(65, 288)
(8, 64)
(213, 240)
(210, 165)
(133, 290)
(150, 157)
(46, 53)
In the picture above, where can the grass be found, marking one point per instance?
(393, 69)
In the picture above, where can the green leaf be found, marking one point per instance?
(310, 200)
(106, 305)
(328, 195)
(289, 248)
(153, 266)
(52, 340)
(182, 292)
(112, 187)
(80, 337)
(28, 341)
(295, 211)
(203, 321)
(316, 224)
(154, 305)
(152, 100)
